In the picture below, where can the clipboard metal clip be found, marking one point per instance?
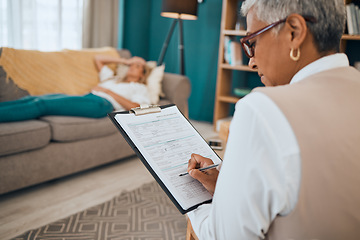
(145, 109)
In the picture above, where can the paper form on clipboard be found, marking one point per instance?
(164, 141)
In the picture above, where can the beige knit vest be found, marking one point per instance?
(324, 113)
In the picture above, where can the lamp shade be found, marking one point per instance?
(183, 9)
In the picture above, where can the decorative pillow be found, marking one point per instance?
(9, 91)
(154, 85)
(153, 81)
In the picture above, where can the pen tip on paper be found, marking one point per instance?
(183, 174)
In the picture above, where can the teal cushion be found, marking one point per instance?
(31, 107)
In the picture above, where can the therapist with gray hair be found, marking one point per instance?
(291, 168)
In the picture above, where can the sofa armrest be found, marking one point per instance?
(124, 53)
(177, 90)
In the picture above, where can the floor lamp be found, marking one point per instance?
(179, 10)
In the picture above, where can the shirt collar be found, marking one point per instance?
(322, 64)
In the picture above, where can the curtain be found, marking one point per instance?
(100, 23)
(41, 24)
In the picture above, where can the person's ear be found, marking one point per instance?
(297, 29)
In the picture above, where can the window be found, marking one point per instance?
(46, 25)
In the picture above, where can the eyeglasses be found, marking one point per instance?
(249, 48)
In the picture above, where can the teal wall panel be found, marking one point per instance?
(145, 32)
(136, 31)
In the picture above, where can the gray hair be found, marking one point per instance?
(330, 16)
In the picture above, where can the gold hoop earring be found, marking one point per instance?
(295, 58)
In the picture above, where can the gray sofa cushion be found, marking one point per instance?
(22, 136)
(67, 129)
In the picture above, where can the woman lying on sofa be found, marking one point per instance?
(112, 93)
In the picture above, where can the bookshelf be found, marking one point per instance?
(224, 96)
(348, 37)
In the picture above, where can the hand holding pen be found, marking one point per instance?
(201, 169)
(207, 177)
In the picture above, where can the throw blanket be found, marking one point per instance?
(69, 71)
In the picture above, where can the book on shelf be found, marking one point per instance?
(232, 52)
(240, 23)
(353, 19)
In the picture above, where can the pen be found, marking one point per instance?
(201, 169)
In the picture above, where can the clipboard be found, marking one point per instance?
(149, 130)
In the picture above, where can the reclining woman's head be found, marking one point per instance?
(138, 70)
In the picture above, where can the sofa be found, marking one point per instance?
(51, 147)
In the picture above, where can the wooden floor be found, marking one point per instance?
(36, 206)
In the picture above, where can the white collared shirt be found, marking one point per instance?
(261, 172)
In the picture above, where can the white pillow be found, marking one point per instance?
(121, 71)
(154, 85)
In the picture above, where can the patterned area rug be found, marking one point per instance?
(145, 213)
